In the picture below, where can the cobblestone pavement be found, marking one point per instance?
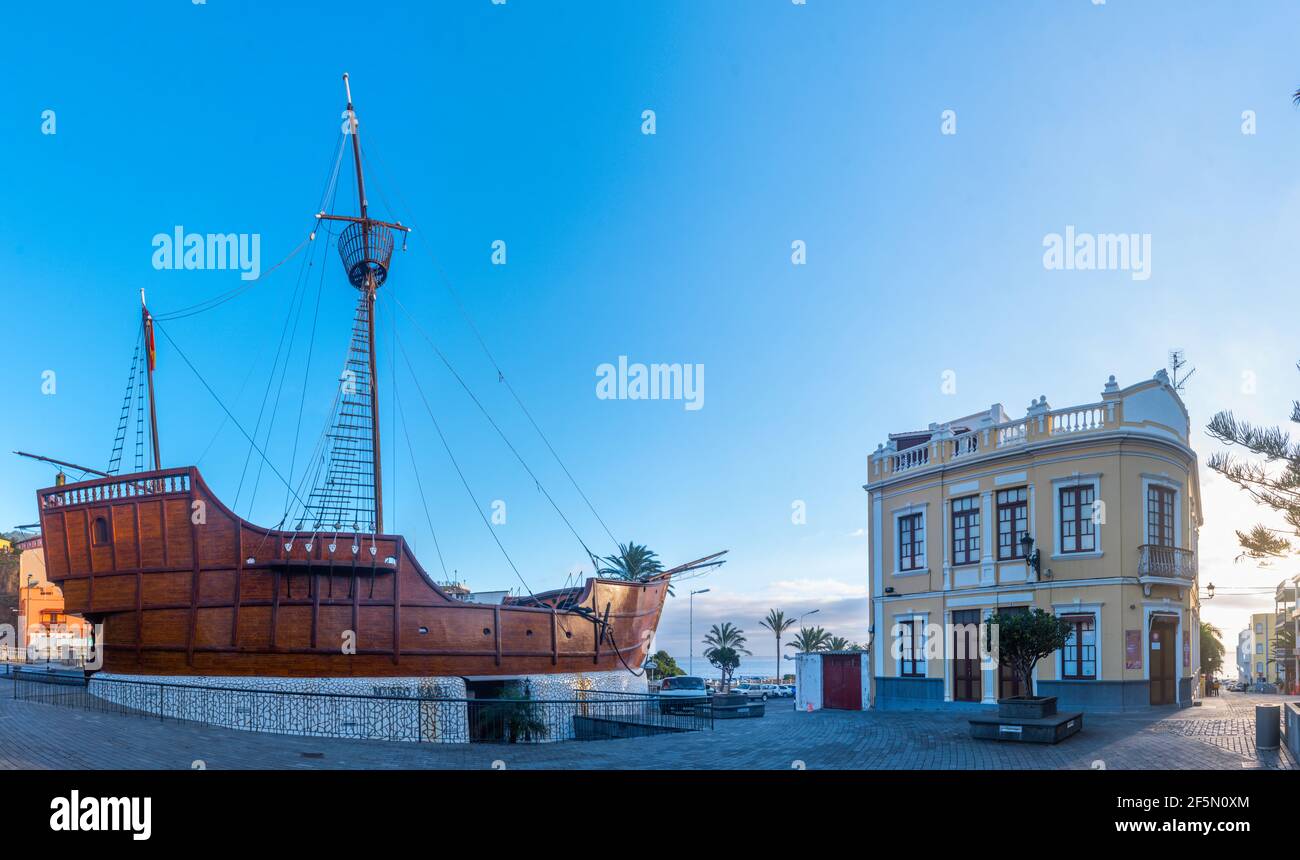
(1219, 734)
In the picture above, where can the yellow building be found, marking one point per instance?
(1105, 498)
(1263, 658)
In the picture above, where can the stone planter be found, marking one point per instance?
(1027, 707)
(732, 706)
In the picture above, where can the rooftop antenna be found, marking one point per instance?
(1176, 363)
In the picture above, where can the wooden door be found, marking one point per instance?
(1008, 683)
(842, 681)
(1163, 656)
(965, 656)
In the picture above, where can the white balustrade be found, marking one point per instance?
(912, 458)
(964, 445)
(1077, 419)
(1012, 433)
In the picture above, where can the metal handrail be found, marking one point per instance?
(1166, 561)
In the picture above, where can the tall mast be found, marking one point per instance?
(370, 288)
(150, 356)
(366, 246)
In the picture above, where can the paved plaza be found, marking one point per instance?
(1218, 735)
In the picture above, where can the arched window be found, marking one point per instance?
(100, 531)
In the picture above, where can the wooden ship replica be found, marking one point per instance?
(215, 595)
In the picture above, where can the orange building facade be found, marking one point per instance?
(42, 623)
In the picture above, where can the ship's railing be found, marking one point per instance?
(114, 488)
(588, 715)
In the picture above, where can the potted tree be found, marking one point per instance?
(1022, 639)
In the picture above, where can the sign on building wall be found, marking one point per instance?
(1132, 649)
(1187, 649)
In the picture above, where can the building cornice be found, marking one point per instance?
(1098, 438)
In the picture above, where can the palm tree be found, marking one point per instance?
(726, 642)
(1211, 650)
(778, 624)
(838, 643)
(810, 639)
(635, 562)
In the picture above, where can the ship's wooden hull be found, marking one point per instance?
(183, 586)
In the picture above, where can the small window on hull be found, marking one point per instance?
(100, 531)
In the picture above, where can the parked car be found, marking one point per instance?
(757, 691)
(787, 690)
(681, 693)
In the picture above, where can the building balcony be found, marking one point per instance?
(1165, 565)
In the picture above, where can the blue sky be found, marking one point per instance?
(775, 122)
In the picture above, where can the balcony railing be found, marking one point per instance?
(1039, 425)
(912, 458)
(1166, 561)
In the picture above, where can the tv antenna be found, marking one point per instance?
(1177, 361)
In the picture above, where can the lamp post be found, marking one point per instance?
(690, 663)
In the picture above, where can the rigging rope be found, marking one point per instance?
(297, 298)
(229, 414)
(495, 427)
(302, 402)
(446, 282)
(406, 358)
(119, 442)
(419, 483)
(257, 428)
(221, 299)
(304, 277)
(216, 301)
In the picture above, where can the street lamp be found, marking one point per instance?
(690, 663)
(1209, 592)
(806, 614)
(1031, 554)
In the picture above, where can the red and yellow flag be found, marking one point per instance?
(148, 342)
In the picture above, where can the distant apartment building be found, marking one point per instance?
(1245, 670)
(40, 606)
(1263, 628)
(1106, 495)
(1270, 651)
(1286, 622)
